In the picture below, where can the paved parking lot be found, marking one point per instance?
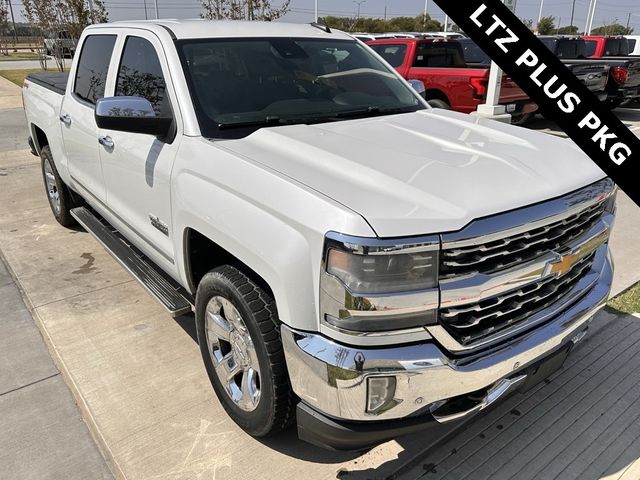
(138, 380)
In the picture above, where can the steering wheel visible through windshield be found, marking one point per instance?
(239, 85)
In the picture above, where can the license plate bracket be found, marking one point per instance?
(545, 368)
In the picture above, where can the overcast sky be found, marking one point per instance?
(302, 10)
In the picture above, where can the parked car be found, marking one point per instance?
(60, 42)
(359, 264)
(449, 35)
(623, 85)
(449, 82)
(634, 44)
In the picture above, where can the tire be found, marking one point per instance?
(60, 198)
(244, 357)
(437, 103)
(521, 119)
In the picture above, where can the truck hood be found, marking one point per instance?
(424, 172)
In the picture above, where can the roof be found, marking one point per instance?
(199, 28)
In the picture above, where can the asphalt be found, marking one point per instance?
(42, 433)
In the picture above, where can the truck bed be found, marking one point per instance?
(56, 82)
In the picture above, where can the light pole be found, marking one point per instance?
(144, 2)
(593, 15)
(315, 11)
(573, 11)
(13, 20)
(540, 13)
(156, 5)
(424, 17)
(359, 2)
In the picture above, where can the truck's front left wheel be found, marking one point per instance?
(237, 326)
(58, 194)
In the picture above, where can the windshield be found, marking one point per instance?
(239, 85)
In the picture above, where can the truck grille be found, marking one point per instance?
(506, 252)
(473, 322)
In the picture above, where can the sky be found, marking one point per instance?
(302, 10)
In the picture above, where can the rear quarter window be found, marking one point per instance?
(93, 66)
(436, 54)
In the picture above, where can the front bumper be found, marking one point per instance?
(331, 379)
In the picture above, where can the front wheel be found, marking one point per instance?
(239, 338)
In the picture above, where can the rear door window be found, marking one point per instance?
(436, 54)
(93, 66)
(140, 75)
(616, 47)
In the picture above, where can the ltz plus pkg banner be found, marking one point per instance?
(561, 96)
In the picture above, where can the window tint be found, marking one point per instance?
(632, 45)
(616, 47)
(590, 48)
(393, 54)
(438, 54)
(93, 67)
(140, 75)
(473, 53)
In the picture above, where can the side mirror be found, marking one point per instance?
(418, 86)
(131, 114)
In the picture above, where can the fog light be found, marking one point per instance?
(380, 393)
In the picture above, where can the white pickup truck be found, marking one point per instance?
(358, 263)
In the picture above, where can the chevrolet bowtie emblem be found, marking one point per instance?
(561, 264)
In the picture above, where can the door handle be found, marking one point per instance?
(66, 119)
(106, 141)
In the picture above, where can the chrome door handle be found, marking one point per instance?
(66, 119)
(106, 141)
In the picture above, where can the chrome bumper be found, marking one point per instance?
(332, 378)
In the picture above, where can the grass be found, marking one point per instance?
(18, 56)
(628, 301)
(18, 76)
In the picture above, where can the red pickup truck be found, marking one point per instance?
(450, 83)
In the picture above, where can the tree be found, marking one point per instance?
(527, 22)
(568, 30)
(243, 9)
(4, 29)
(612, 29)
(547, 25)
(51, 18)
(379, 25)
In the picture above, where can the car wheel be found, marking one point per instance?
(437, 103)
(239, 338)
(521, 119)
(60, 198)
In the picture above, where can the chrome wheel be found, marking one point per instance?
(52, 187)
(232, 353)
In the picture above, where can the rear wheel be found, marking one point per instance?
(60, 199)
(521, 118)
(240, 343)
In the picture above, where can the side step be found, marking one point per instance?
(165, 289)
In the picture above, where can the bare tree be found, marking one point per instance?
(243, 9)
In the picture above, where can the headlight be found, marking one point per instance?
(373, 285)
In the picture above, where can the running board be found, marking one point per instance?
(166, 290)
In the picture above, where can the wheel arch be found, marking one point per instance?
(435, 94)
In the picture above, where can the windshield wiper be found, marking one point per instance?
(374, 111)
(263, 122)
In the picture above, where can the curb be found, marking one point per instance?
(60, 364)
